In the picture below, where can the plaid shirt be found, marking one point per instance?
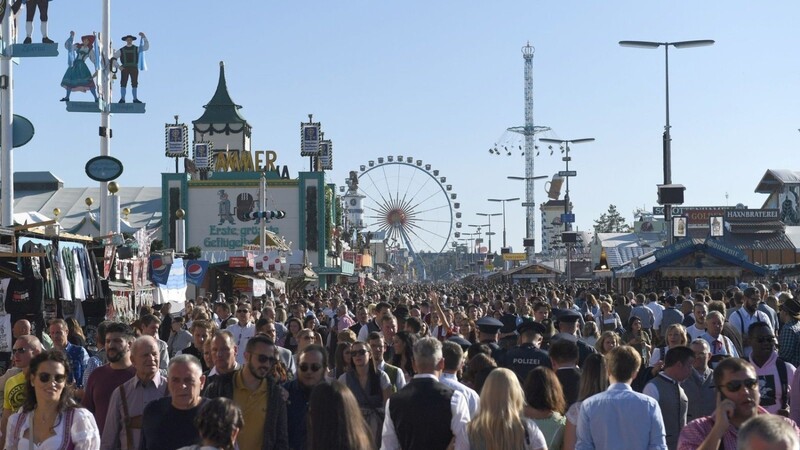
(789, 342)
(693, 434)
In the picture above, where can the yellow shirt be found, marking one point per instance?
(254, 411)
(15, 392)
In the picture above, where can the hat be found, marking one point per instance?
(792, 307)
(566, 315)
(463, 343)
(401, 312)
(509, 323)
(489, 325)
(129, 36)
(528, 325)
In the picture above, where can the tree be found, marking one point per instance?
(611, 222)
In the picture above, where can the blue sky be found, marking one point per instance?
(441, 81)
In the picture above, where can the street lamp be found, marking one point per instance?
(667, 139)
(489, 216)
(567, 219)
(504, 200)
(530, 227)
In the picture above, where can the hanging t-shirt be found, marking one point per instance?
(24, 296)
(3, 290)
(80, 289)
(6, 336)
(63, 280)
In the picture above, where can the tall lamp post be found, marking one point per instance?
(529, 205)
(489, 217)
(475, 242)
(567, 219)
(667, 138)
(504, 200)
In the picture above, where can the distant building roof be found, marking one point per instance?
(221, 109)
(774, 179)
(36, 181)
(144, 203)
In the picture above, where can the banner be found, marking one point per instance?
(159, 271)
(174, 289)
(202, 155)
(309, 139)
(196, 271)
(177, 145)
(326, 154)
(108, 259)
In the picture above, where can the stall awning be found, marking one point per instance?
(673, 253)
(705, 272)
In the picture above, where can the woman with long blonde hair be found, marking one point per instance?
(500, 422)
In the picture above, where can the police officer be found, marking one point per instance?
(527, 355)
(568, 329)
(487, 332)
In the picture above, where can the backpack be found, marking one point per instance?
(782, 375)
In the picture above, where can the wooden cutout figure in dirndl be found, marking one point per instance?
(78, 77)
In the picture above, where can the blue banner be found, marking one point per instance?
(196, 271)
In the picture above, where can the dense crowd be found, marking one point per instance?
(540, 366)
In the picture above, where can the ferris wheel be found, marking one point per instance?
(407, 203)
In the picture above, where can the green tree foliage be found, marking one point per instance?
(611, 222)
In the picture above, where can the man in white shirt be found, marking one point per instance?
(749, 314)
(699, 326)
(658, 310)
(432, 414)
(453, 356)
(243, 330)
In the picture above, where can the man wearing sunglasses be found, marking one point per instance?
(25, 348)
(737, 401)
(259, 397)
(243, 330)
(313, 360)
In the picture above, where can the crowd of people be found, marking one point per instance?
(541, 366)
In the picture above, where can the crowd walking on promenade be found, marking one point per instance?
(419, 367)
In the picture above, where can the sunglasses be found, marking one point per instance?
(764, 339)
(59, 378)
(310, 367)
(20, 350)
(264, 358)
(358, 352)
(735, 385)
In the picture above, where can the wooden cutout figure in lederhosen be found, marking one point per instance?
(30, 11)
(129, 60)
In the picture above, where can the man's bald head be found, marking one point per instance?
(21, 328)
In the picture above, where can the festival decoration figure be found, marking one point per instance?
(78, 77)
(224, 207)
(30, 11)
(130, 59)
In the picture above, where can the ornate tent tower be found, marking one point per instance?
(222, 124)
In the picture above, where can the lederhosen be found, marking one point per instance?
(129, 64)
(130, 423)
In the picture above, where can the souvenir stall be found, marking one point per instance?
(58, 277)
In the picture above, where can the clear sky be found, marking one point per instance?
(441, 81)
